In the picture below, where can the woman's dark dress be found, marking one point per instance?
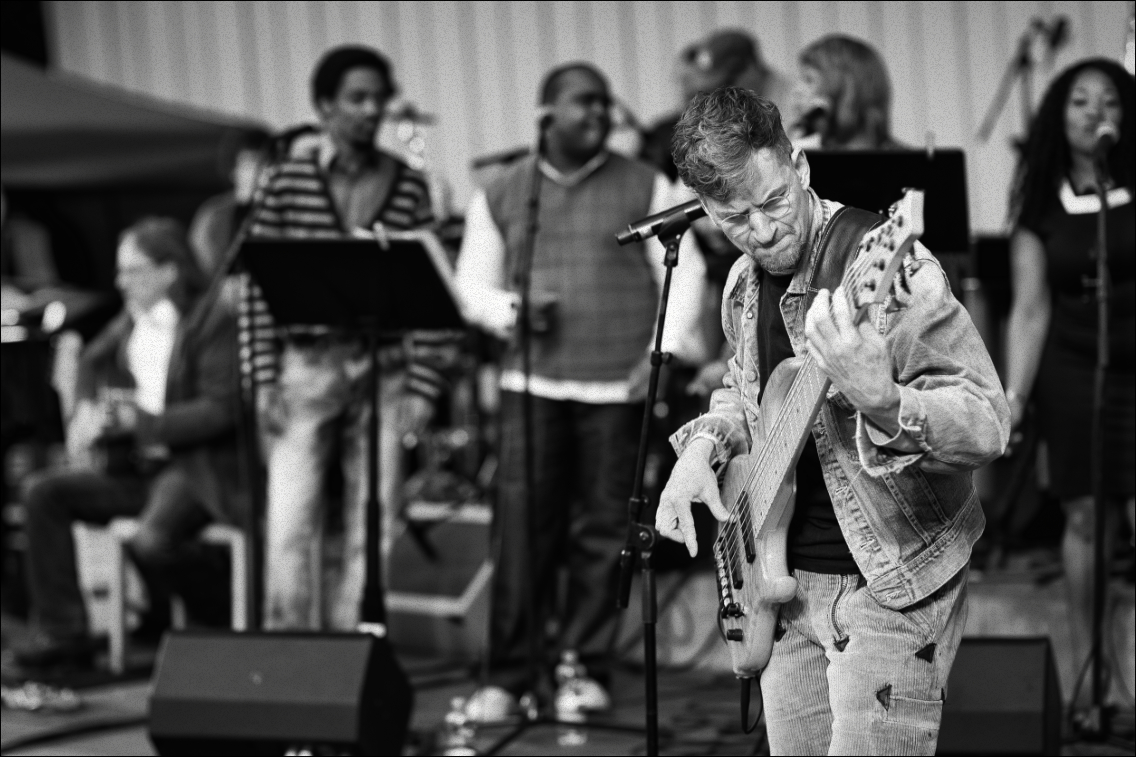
(1064, 388)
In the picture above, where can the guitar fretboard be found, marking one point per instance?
(787, 436)
(867, 280)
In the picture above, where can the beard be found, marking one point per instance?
(779, 260)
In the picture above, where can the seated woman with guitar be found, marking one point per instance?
(153, 436)
(859, 387)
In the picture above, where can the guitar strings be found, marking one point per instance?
(729, 538)
(730, 545)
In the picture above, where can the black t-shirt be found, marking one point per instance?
(816, 543)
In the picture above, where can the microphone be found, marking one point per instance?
(809, 122)
(505, 157)
(645, 228)
(543, 117)
(1107, 135)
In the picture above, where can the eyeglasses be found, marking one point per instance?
(773, 209)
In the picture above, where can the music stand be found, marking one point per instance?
(377, 289)
(872, 179)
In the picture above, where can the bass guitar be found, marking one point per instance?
(758, 488)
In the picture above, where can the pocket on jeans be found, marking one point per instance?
(908, 726)
(916, 713)
(930, 613)
(922, 618)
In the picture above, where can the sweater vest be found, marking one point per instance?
(606, 294)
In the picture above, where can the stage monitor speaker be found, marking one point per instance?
(1002, 698)
(266, 693)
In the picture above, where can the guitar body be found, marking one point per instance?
(766, 583)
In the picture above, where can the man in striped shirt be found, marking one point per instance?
(313, 383)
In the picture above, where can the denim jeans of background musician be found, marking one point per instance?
(850, 676)
(584, 466)
(323, 403)
(165, 549)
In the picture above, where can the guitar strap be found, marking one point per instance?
(837, 247)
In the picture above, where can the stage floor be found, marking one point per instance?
(698, 703)
(698, 713)
(702, 707)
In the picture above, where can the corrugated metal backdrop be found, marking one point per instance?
(477, 64)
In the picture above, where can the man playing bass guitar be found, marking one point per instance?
(877, 414)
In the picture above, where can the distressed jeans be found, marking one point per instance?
(849, 676)
(324, 394)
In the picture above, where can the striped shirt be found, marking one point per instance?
(306, 197)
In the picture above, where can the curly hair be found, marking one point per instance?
(717, 135)
(1046, 160)
(335, 64)
(854, 78)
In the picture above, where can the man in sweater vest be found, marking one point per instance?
(332, 186)
(588, 369)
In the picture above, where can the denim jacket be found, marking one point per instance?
(909, 517)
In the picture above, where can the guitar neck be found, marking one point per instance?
(867, 281)
(787, 435)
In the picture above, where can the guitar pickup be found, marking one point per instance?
(730, 547)
(732, 610)
(746, 525)
(735, 634)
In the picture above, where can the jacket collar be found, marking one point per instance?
(806, 272)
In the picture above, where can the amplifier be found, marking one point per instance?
(265, 693)
(1002, 698)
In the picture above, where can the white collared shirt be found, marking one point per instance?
(148, 354)
(1076, 204)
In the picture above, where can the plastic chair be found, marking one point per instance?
(121, 530)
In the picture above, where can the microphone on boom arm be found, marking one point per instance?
(645, 228)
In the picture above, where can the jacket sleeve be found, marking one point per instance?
(953, 413)
(725, 422)
(211, 412)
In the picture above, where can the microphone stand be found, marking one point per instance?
(248, 429)
(530, 714)
(1098, 725)
(525, 329)
(642, 537)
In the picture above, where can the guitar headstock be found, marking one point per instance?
(881, 252)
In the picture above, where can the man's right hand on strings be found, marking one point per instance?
(692, 480)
